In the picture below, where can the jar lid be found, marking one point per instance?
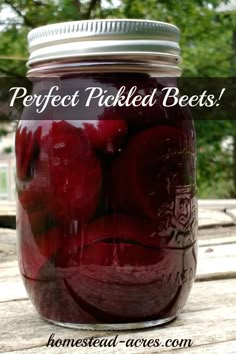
(103, 38)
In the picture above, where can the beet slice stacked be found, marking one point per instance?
(106, 134)
(146, 173)
(27, 150)
(75, 174)
(36, 250)
(113, 241)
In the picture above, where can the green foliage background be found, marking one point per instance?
(207, 49)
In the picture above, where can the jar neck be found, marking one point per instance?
(162, 66)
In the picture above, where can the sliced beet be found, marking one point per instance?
(75, 174)
(119, 254)
(65, 182)
(145, 115)
(106, 133)
(49, 242)
(147, 172)
(113, 240)
(34, 193)
(109, 254)
(122, 292)
(27, 150)
(124, 229)
(72, 245)
(34, 251)
(40, 221)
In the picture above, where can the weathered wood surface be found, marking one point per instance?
(209, 218)
(211, 306)
(209, 318)
(227, 347)
(217, 204)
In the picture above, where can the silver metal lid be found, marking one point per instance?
(103, 38)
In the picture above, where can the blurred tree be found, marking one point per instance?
(206, 41)
(206, 36)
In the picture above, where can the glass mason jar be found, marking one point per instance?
(106, 195)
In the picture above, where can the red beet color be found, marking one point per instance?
(106, 133)
(153, 164)
(35, 250)
(27, 149)
(107, 213)
(75, 173)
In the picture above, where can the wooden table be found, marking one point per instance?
(209, 318)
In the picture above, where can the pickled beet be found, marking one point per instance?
(146, 174)
(149, 115)
(27, 150)
(107, 210)
(108, 281)
(40, 221)
(124, 228)
(34, 250)
(75, 174)
(106, 135)
(34, 194)
(117, 254)
(110, 240)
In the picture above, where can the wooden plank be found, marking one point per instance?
(228, 347)
(231, 212)
(12, 290)
(29, 329)
(216, 261)
(7, 244)
(217, 235)
(6, 211)
(6, 232)
(217, 204)
(7, 249)
(209, 218)
(8, 264)
(209, 318)
(7, 208)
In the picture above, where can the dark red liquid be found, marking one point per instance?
(107, 213)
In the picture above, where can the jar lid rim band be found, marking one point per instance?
(116, 35)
